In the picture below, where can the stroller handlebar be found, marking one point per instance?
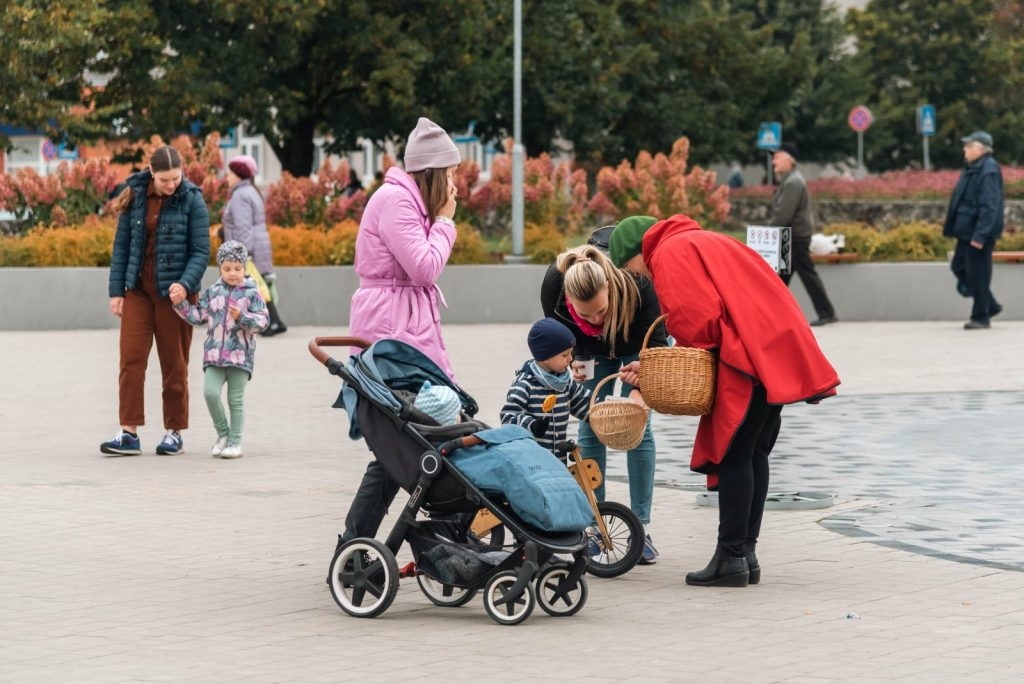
(458, 443)
(322, 356)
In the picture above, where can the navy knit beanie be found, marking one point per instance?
(549, 338)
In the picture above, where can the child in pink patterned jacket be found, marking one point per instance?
(233, 312)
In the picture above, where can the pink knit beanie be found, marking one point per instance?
(243, 166)
(429, 147)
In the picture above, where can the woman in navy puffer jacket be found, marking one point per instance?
(162, 246)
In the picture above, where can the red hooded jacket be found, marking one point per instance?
(721, 295)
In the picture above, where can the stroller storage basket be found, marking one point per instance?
(449, 562)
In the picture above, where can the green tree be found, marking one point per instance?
(45, 48)
(965, 57)
(828, 83)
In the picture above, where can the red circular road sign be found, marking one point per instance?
(860, 118)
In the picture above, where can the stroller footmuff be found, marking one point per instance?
(450, 565)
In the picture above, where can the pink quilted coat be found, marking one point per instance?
(399, 257)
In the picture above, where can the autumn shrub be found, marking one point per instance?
(66, 197)
(1011, 241)
(543, 243)
(314, 246)
(892, 185)
(551, 195)
(88, 244)
(469, 247)
(14, 252)
(659, 185)
(916, 241)
(321, 201)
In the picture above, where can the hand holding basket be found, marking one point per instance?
(677, 380)
(618, 424)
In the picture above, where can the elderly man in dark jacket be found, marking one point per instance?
(791, 206)
(975, 219)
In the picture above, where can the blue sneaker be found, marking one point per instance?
(122, 444)
(593, 544)
(171, 444)
(650, 554)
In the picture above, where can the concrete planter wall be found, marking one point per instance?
(76, 298)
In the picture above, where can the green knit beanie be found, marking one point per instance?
(627, 238)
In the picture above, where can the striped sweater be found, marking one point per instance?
(525, 400)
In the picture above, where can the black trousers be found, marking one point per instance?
(743, 475)
(803, 265)
(370, 505)
(974, 269)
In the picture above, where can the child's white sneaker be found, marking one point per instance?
(232, 451)
(218, 447)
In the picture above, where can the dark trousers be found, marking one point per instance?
(803, 265)
(370, 505)
(974, 269)
(743, 475)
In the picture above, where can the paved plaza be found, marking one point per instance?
(192, 569)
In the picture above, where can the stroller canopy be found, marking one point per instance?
(384, 367)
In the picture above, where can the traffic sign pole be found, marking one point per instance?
(927, 160)
(861, 172)
(860, 119)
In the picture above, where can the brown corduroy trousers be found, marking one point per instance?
(148, 316)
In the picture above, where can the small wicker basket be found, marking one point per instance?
(618, 424)
(677, 380)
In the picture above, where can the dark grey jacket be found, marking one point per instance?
(976, 207)
(182, 239)
(791, 205)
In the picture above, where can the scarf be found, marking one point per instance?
(556, 382)
(584, 326)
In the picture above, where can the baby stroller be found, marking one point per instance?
(451, 565)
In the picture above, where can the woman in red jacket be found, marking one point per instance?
(722, 296)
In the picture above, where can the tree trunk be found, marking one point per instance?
(296, 150)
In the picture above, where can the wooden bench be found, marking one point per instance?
(838, 258)
(1008, 257)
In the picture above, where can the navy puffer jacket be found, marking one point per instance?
(976, 208)
(182, 239)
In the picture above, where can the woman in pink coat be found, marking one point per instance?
(404, 241)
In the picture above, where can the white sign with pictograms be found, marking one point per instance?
(772, 243)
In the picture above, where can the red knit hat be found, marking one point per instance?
(243, 166)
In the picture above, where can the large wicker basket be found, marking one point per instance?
(618, 424)
(677, 380)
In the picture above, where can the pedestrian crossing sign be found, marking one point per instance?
(769, 135)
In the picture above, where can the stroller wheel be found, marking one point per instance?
(364, 578)
(625, 544)
(444, 595)
(504, 608)
(560, 603)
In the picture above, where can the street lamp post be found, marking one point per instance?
(517, 143)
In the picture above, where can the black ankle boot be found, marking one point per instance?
(752, 564)
(724, 570)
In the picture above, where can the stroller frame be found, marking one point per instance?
(364, 573)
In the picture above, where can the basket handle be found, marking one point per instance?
(647, 337)
(593, 395)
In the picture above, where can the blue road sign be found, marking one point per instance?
(769, 135)
(63, 152)
(926, 120)
(229, 139)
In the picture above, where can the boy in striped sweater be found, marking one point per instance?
(544, 393)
